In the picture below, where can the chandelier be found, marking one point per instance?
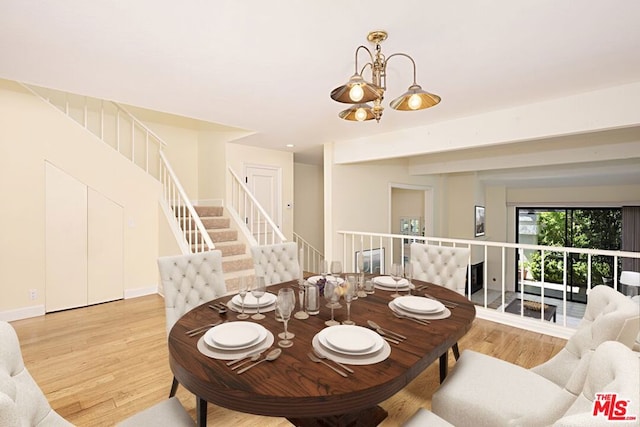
(361, 92)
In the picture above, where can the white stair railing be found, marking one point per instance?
(312, 256)
(118, 128)
(195, 233)
(257, 222)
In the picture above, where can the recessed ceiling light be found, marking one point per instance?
(290, 145)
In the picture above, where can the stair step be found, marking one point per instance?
(223, 235)
(237, 262)
(204, 211)
(231, 248)
(213, 222)
(232, 279)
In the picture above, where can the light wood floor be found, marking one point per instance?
(100, 364)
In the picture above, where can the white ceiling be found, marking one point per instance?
(268, 67)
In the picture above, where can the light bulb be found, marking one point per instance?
(361, 114)
(415, 101)
(356, 93)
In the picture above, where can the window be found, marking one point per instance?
(595, 228)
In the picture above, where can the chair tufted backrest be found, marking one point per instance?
(614, 368)
(609, 316)
(277, 263)
(22, 403)
(442, 265)
(189, 281)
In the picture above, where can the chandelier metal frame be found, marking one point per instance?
(360, 92)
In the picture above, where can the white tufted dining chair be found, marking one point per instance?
(22, 402)
(189, 281)
(277, 263)
(486, 391)
(445, 266)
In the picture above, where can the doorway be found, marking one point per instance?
(411, 214)
(265, 183)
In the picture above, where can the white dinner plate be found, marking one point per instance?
(424, 316)
(416, 304)
(350, 339)
(388, 282)
(250, 301)
(314, 279)
(235, 335)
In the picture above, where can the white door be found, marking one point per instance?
(264, 182)
(65, 240)
(105, 249)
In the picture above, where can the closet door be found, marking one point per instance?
(65, 240)
(105, 249)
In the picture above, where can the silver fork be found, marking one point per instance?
(201, 329)
(421, 321)
(220, 307)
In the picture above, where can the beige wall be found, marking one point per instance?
(308, 207)
(32, 132)
(360, 197)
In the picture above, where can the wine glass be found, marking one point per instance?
(324, 268)
(336, 269)
(408, 274)
(360, 261)
(243, 288)
(396, 275)
(257, 290)
(349, 293)
(331, 294)
(285, 303)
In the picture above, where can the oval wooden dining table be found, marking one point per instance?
(307, 393)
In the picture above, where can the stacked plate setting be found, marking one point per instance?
(350, 340)
(267, 303)
(386, 283)
(418, 307)
(234, 337)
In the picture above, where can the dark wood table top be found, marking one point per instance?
(297, 388)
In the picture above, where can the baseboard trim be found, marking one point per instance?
(140, 292)
(22, 313)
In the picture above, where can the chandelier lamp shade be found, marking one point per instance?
(366, 95)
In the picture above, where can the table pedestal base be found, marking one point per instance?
(370, 417)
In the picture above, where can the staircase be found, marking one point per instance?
(236, 261)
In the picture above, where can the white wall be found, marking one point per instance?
(32, 132)
(308, 207)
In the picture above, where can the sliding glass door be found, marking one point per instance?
(595, 228)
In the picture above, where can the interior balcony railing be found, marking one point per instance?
(255, 222)
(502, 278)
(118, 128)
(311, 257)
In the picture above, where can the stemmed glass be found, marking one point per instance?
(396, 274)
(257, 290)
(285, 303)
(360, 260)
(331, 295)
(408, 274)
(336, 269)
(243, 288)
(324, 268)
(350, 290)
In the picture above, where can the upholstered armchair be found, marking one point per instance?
(22, 402)
(445, 266)
(486, 391)
(277, 263)
(189, 281)
(613, 369)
